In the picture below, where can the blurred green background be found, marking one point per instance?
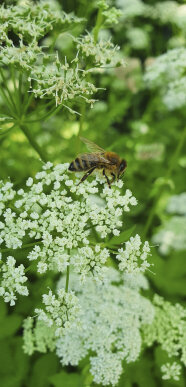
(130, 119)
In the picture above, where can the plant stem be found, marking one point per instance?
(33, 143)
(67, 278)
(8, 102)
(81, 122)
(97, 27)
(21, 248)
(47, 115)
(172, 165)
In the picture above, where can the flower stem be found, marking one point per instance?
(48, 114)
(26, 246)
(67, 278)
(97, 27)
(32, 142)
(81, 122)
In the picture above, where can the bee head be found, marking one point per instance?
(122, 167)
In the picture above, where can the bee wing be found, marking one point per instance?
(91, 146)
(95, 157)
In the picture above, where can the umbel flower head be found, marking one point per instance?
(34, 20)
(110, 319)
(167, 73)
(134, 258)
(59, 216)
(29, 22)
(102, 53)
(168, 329)
(60, 219)
(59, 311)
(62, 81)
(172, 233)
(12, 281)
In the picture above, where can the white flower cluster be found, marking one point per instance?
(62, 81)
(59, 311)
(134, 258)
(102, 53)
(171, 371)
(12, 281)
(39, 337)
(34, 20)
(22, 56)
(176, 94)
(168, 329)
(131, 8)
(110, 320)
(169, 12)
(172, 233)
(58, 218)
(177, 204)
(138, 38)
(90, 260)
(6, 194)
(168, 73)
(165, 12)
(29, 22)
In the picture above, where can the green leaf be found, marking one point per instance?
(66, 380)
(123, 237)
(13, 363)
(139, 373)
(9, 325)
(44, 367)
(3, 310)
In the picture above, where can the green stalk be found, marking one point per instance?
(21, 248)
(27, 103)
(8, 99)
(47, 115)
(40, 109)
(32, 142)
(81, 122)
(97, 27)
(20, 90)
(67, 278)
(172, 165)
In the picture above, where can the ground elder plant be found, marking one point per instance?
(96, 310)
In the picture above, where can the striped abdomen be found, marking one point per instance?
(80, 164)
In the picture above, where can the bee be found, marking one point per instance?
(109, 162)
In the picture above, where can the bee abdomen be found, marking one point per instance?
(78, 165)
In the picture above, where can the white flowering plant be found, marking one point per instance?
(68, 229)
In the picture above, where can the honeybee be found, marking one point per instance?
(109, 162)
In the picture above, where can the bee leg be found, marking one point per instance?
(86, 175)
(113, 178)
(107, 179)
